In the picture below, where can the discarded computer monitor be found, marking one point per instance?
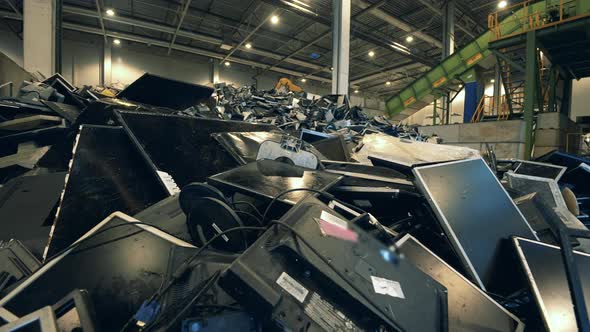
(42, 320)
(27, 209)
(165, 92)
(107, 174)
(325, 274)
(476, 213)
(544, 170)
(544, 269)
(403, 154)
(16, 263)
(75, 312)
(470, 308)
(182, 146)
(120, 264)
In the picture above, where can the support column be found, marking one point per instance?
(58, 35)
(448, 40)
(497, 88)
(566, 100)
(434, 113)
(106, 75)
(530, 89)
(340, 46)
(39, 36)
(214, 71)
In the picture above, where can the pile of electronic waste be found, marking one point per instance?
(150, 211)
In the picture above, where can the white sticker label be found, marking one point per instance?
(292, 287)
(387, 287)
(218, 230)
(332, 219)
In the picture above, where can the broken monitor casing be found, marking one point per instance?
(470, 308)
(353, 286)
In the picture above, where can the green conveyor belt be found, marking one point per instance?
(419, 93)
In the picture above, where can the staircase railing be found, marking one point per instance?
(529, 19)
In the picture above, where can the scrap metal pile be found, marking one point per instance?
(159, 210)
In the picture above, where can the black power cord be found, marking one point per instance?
(103, 230)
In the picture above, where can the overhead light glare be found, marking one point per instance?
(492, 81)
(371, 54)
(356, 91)
(388, 83)
(303, 80)
(117, 41)
(227, 64)
(409, 39)
(110, 12)
(274, 19)
(502, 4)
(248, 45)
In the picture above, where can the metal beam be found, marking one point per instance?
(530, 89)
(466, 29)
(14, 7)
(188, 49)
(357, 33)
(184, 11)
(164, 44)
(387, 71)
(341, 45)
(183, 33)
(250, 35)
(323, 35)
(508, 60)
(386, 17)
(448, 37)
(100, 19)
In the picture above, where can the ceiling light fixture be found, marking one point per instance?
(502, 4)
(248, 45)
(371, 54)
(227, 64)
(274, 19)
(388, 83)
(303, 80)
(409, 39)
(492, 81)
(356, 91)
(117, 41)
(110, 12)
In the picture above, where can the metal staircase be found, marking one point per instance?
(512, 65)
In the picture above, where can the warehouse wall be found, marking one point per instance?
(82, 58)
(580, 98)
(11, 46)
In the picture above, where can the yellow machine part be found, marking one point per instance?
(285, 82)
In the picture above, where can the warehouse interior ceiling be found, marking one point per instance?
(299, 44)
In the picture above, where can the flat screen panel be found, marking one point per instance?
(476, 213)
(470, 309)
(182, 146)
(164, 92)
(408, 153)
(247, 179)
(540, 169)
(107, 174)
(544, 269)
(26, 203)
(120, 268)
